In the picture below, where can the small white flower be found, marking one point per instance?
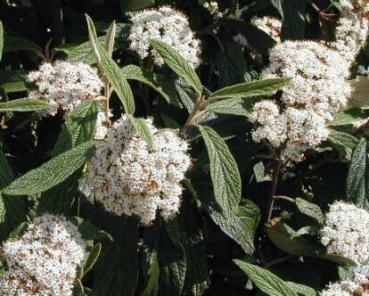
(167, 25)
(44, 260)
(213, 8)
(64, 85)
(130, 179)
(270, 25)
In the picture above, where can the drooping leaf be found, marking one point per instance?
(92, 258)
(310, 209)
(1, 39)
(23, 105)
(16, 43)
(251, 89)
(224, 172)
(52, 172)
(357, 187)
(89, 231)
(111, 70)
(343, 142)
(265, 280)
(143, 129)
(178, 64)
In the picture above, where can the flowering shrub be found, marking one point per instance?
(191, 148)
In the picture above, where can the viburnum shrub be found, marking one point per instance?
(189, 148)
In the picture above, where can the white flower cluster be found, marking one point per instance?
(318, 90)
(352, 29)
(44, 260)
(270, 25)
(167, 25)
(102, 125)
(64, 85)
(213, 8)
(346, 234)
(130, 179)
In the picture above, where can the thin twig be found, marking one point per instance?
(273, 189)
(285, 198)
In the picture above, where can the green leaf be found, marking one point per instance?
(116, 271)
(51, 173)
(1, 39)
(266, 281)
(133, 72)
(110, 38)
(89, 231)
(306, 230)
(310, 209)
(152, 286)
(338, 259)
(79, 127)
(92, 258)
(80, 52)
(234, 106)
(139, 4)
(251, 89)
(357, 187)
(350, 117)
(14, 44)
(111, 70)
(360, 92)
(302, 289)
(143, 129)
(343, 142)
(178, 64)
(224, 172)
(259, 171)
(23, 105)
(284, 238)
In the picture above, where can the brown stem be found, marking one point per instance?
(273, 189)
(197, 111)
(285, 198)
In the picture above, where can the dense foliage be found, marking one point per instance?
(192, 150)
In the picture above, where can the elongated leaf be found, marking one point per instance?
(266, 281)
(112, 71)
(152, 285)
(133, 72)
(350, 117)
(343, 142)
(51, 173)
(143, 129)
(89, 231)
(251, 89)
(1, 39)
(235, 106)
(23, 105)
(110, 37)
(357, 189)
(178, 64)
(15, 43)
(92, 258)
(302, 289)
(310, 209)
(224, 172)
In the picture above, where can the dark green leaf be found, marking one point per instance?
(92, 258)
(343, 142)
(357, 189)
(51, 173)
(178, 64)
(89, 231)
(310, 209)
(139, 4)
(23, 105)
(251, 89)
(152, 285)
(14, 44)
(266, 281)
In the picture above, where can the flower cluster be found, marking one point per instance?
(129, 178)
(270, 25)
(44, 260)
(345, 234)
(352, 29)
(318, 90)
(167, 25)
(64, 85)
